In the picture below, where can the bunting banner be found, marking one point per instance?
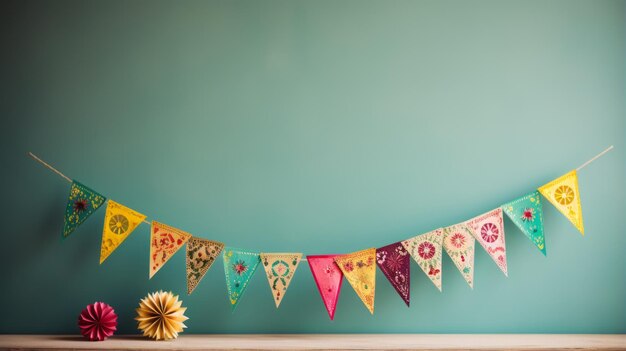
(165, 241)
(119, 222)
(527, 214)
(81, 203)
(280, 269)
(488, 229)
(359, 268)
(426, 251)
(393, 261)
(328, 278)
(201, 254)
(360, 271)
(564, 195)
(458, 242)
(239, 267)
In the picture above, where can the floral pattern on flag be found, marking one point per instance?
(328, 278)
(393, 261)
(527, 214)
(488, 229)
(459, 243)
(280, 269)
(564, 195)
(165, 241)
(119, 222)
(201, 255)
(359, 268)
(426, 251)
(82, 202)
(239, 267)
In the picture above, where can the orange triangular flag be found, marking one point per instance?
(119, 222)
(280, 268)
(360, 270)
(164, 242)
(563, 194)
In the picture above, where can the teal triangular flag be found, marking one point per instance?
(81, 203)
(527, 214)
(239, 266)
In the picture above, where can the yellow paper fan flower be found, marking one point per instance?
(160, 316)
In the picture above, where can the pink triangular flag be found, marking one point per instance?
(488, 229)
(328, 278)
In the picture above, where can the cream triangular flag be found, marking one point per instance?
(563, 194)
(119, 222)
(458, 242)
(488, 229)
(164, 242)
(280, 268)
(201, 254)
(426, 251)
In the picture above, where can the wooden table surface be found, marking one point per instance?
(324, 341)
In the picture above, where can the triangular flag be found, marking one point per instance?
(393, 261)
(201, 254)
(119, 222)
(81, 203)
(563, 194)
(527, 214)
(164, 242)
(426, 251)
(488, 229)
(239, 267)
(458, 242)
(328, 278)
(280, 268)
(360, 271)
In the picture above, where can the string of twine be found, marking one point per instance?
(33, 156)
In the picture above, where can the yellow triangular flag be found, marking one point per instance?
(119, 222)
(563, 194)
(360, 270)
(280, 268)
(164, 242)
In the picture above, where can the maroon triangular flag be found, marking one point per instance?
(328, 278)
(393, 260)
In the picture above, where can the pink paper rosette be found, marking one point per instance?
(97, 321)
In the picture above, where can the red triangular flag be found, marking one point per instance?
(328, 278)
(393, 260)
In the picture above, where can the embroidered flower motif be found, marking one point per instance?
(118, 224)
(80, 205)
(401, 250)
(528, 214)
(360, 264)
(329, 269)
(457, 240)
(489, 232)
(426, 250)
(381, 256)
(564, 195)
(240, 267)
(394, 261)
(348, 266)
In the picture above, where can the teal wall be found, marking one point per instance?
(314, 126)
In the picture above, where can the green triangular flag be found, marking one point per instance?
(239, 266)
(527, 214)
(81, 203)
